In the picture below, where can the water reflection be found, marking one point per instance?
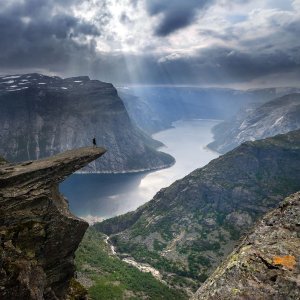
(108, 195)
(101, 195)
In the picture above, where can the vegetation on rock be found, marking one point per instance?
(266, 263)
(107, 277)
(191, 226)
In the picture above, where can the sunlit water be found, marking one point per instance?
(98, 196)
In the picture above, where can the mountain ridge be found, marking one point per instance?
(190, 226)
(43, 115)
(277, 116)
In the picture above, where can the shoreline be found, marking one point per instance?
(132, 188)
(158, 149)
(127, 171)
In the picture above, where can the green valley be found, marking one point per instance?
(108, 277)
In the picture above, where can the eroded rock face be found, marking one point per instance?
(42, 116)
(266, 264)
(280, 115)
(38, 234)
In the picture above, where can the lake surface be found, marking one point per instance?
(98, 196)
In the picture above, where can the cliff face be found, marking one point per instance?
(189, 227)
(38, 234)
(280, 115)
(42, 116)
(266, 264)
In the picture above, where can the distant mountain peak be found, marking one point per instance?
(12, 83)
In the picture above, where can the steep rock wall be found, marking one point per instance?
(38, 234)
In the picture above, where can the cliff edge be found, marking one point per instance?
(44, 115)
(38, 234)
(266, 264)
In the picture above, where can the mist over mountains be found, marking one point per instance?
(280, 115)
(155, 108)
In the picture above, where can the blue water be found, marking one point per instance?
(99, 196)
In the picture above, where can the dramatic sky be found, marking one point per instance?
(242, 43)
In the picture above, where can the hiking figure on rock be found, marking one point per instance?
(94, 142)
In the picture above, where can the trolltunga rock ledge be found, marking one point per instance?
(38, 234)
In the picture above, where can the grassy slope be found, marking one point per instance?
(111, 278)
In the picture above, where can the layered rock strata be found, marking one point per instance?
(38, 234)
(42, 116)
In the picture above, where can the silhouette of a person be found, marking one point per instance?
(94, 142)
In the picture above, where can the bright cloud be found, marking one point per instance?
(149, 41)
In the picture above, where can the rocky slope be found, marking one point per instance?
(266, 264)
(277, 116)
(189, 227)
(154, 108)
(38, 234)
(41, 116)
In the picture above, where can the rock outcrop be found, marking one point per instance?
(266, 265)
(38, 234)
(188, 228)
(42, 115)
(280, 115)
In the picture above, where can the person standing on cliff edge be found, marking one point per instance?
(94, 142)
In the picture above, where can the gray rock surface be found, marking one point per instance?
(265, 266)
(38, 234)
(42, 115)
(277, 116)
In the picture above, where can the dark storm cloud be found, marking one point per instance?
(45, 36)
(175, 14)
(224, 65)
(38, 33)
(293, 27)
(125, 19)
(227, 35)
(214, 65)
